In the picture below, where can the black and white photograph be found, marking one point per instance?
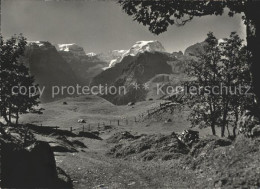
(129, 94)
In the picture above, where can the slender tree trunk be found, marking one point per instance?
(17, 118)
(252, 15)
(228, 130)
(224, 121)
(223, 130)
(10, 114)
(234, 131)
(213, 128)
(5, 116)
(235, 125)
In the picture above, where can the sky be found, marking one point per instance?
(100, 26)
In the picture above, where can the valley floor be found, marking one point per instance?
(91, 167)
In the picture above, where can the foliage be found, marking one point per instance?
(158, 15)
(205, 104)
(222, 79)
(14, 74)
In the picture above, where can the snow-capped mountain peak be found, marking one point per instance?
(43, 45)
(72, 47)
(149, 46)
(138, 47)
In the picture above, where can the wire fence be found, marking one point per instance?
(86, 127)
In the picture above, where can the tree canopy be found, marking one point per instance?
(15, 75)
(222, 84)
(158, 15)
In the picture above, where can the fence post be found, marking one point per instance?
(70, 129)
(83, 128)
(117, 122)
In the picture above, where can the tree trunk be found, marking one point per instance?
(228, 130)
(213, 128)
(253, 35)
(236, 124)
(234, 131)
(10, 114)
(223, 126)
(5, 116)
(224, 121)
(17, 118)
(223, 130)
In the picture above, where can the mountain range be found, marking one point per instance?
(146, 62)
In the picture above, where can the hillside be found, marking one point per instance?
(141, 154)
(49, 68)
(131, 70)
(84, 66)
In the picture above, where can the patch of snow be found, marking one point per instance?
(73, 48)
(119, 51)
(138, 47)
(44, 45)
(112, 62)
(91, 54)
(220, 41)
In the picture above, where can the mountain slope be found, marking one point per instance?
(133, 70)
(85, 66)
(49, 68)
(138, 47)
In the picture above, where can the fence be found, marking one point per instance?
(123, 121)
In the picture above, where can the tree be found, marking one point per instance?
(222, 75)
(14, 76)
(204, 101)
(159, 15)
(235, 75)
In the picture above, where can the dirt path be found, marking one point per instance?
(94, 170)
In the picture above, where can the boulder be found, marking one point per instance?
(130, 104)
(207, 144)
(81, 121)
(256, 131)
(29, 167)
(168, 121)
(189, 137)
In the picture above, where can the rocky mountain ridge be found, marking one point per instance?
(148, 65)
(68, 64)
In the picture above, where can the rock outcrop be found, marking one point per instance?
(137, 48)
(29, 165)
(49, 68)
(84, 66)
(130, 71)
